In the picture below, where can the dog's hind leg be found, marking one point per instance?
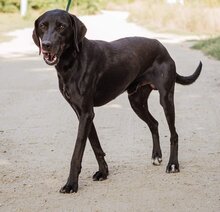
(167, 102)
(139, 103)
(103, 167)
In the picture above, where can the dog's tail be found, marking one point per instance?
(189, 79)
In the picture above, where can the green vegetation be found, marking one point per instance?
(194, 17)
(87, 6)
(9, 12)
(199, 17)
(210, 47)
(90, 7)
(16, 22)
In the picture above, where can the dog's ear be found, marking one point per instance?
(35, 36)
(79, 31)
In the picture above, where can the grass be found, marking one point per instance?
(13, 21)
(196, 18)
(188, 19)
(192, 18)
(209, 47)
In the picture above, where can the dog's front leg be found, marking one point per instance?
(85, 121)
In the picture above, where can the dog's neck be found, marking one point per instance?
(67, 60)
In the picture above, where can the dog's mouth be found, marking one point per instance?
(50, 58)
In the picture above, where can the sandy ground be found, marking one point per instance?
(38, 130)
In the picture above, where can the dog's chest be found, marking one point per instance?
(64, 87)
(70, 91)
(65, 92)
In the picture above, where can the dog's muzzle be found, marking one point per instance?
(50, 58)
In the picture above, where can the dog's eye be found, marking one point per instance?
(60, 27)
(43, 27)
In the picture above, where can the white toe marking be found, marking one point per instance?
(157, 161)
(173, 168)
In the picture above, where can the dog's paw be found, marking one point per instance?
(172, 168)
(69, 188)
(156, 161)
(99, 176)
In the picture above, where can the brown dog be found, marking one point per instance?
(92, 73)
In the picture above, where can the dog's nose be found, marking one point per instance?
(46, 45)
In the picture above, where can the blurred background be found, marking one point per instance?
(38, 127)
(188, 17)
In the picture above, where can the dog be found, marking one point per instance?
(93, 72)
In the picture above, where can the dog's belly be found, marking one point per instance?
(104, 97)
(111, 86)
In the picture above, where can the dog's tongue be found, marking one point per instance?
(50, 57)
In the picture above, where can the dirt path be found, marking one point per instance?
(38, 128)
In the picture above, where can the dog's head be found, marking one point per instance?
(55, 31)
